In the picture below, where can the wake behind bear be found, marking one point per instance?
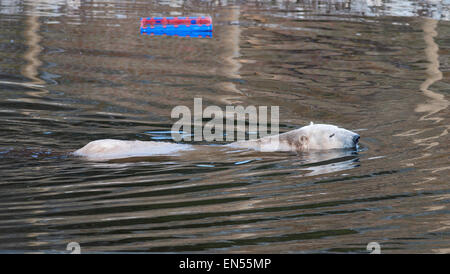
(308, 138)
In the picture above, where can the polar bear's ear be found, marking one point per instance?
(303, 139)
(303, 142)
(311, 123)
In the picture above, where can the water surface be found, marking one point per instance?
(76, 71)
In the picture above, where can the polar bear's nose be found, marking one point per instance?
(356, 139)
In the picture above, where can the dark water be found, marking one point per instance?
(76, 71)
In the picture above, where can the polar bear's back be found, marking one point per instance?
(114, 149)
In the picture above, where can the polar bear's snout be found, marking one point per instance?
(356, 139)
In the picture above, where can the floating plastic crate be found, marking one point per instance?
(178, 26)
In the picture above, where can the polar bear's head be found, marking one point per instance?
(321, 136)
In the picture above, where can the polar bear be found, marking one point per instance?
(311, 137)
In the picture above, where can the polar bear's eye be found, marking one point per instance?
(331, 135)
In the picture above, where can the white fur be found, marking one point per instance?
(311, 137)
(319, 137)
(107, 149)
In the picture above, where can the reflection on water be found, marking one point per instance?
(438, 101)
(75, 71)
